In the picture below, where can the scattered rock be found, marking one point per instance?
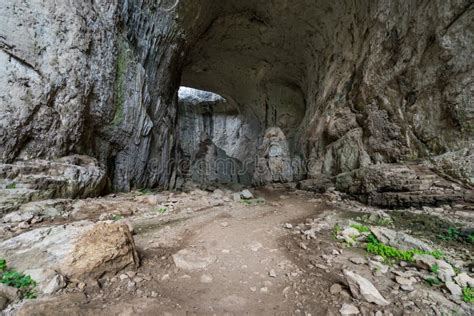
(349, 309)
(255, 246)
(303, 246)
(55, 284)
(403, 281)
(288, 226)
(272, 273)
(378, 266)
(358, 260)
(398, 239)
(455, 289)
(464, 280)
(363, 288)
(236, 197)
(224, 224)
(246, 195)
(349, 235)
(336, 288)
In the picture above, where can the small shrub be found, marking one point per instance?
(17, 280)
(468, 294)
(435, 268)
(11, 186)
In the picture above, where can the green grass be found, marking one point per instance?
(162, 210)
(468, 294)
(388, 252)
(435, 268)
(116, 217)
(17, 280)
(11, 186)
(361, 228)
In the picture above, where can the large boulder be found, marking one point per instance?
(81, 251)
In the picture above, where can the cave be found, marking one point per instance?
(152, 152)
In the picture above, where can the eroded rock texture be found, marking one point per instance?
(349, 84)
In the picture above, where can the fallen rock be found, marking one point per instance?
(81, 251)
(455, 289)
(336, 288)
(403, 281)
(445, 270)
(11, 293)
(349, 309)
(357, 260)
(464, 280)
(246, 195)
(378, 266)
(398, 239)
(349, 234)
(56, 283)
(363, 288)
(193, 259)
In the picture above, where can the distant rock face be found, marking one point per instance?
(33, 180)
(350, 84)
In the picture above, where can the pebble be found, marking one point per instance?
(206, 278)
(123, 277)
(272, 273)
(357, 260)
(336, 288)
(349, 309)
(288, 226)
(224, 224)
(303, 246)
(264, 290)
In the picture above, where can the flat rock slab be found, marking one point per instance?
(193, 259)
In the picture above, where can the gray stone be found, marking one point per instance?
(246, 195)
(398, 239)
(349, 309)
(464, 280)
(363, 288)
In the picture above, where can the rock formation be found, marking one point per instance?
(350, 84)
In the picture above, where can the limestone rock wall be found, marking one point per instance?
(350, 84)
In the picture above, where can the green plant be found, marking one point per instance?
(451, 234)
(433, 281)
(468, 294)
(162, 210)
(145, 191)
(17, 280)
(11, 186)
(336, 230)
(117, 217)
(361, 228)
(388, 252)
(435, 268)
(470, 238)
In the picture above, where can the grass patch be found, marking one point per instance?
(117, 217)
(361, 228)
(11, 186)
(434, 281)
(388, 252)
(435, 268)
(162, 210)
(17, 280)
(468, 294)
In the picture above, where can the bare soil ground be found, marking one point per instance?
(238, 259)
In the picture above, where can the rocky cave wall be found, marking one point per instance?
(349, 84)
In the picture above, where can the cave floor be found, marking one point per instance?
(204, 253)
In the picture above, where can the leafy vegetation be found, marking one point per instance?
(435, 268)
(336, 230)
(117, 217)
(388, 252)
(17, 280)
(361, 228)
(468, 294)
(455, 234)
(11, 186)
